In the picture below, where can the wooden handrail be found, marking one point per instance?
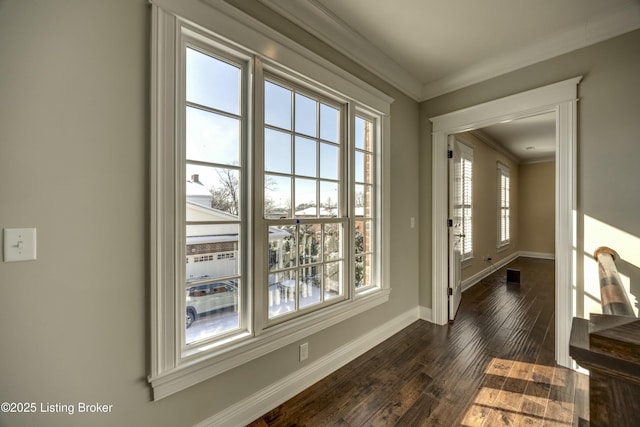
(608, 345)
(613, 295)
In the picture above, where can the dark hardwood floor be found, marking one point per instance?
(493, 366)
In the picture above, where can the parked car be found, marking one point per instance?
(209, 297)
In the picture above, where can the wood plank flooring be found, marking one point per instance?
(493, 366)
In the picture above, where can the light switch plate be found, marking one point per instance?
(19, 244)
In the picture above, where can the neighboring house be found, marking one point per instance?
(212, 250)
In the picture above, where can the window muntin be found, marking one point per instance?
(303, 154)
(504, 205)
(213, 128)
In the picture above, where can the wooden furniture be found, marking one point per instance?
(608, 345)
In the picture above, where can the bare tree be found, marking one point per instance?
(226, 195)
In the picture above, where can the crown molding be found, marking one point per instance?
(599, 29)
(338, 34)
(326, 26)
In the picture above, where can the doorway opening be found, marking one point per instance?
(559, 99)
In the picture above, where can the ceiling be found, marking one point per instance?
(427, 48)
(526, 140)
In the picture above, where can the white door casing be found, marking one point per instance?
(561, 99)
(455, 227)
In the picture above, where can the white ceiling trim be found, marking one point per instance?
(599, 29)
(329, 28)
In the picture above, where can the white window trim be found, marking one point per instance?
(170, 371)
(503, 170)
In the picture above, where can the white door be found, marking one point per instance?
(455, 226)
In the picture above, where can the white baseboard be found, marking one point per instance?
(476, 278)
(426, 313)
(261, 402)
(541, 255)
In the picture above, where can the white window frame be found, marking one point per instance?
(172, 368)
(374, 216)
(466, 154)
(504, 203)
(274, 74)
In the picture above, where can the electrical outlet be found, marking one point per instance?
(304, 351)
(486, 258)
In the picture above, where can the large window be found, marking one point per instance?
(214, 237)
(504, 206)
(267, 193)
(304, 156)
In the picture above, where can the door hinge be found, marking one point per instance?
(450, 291)
(449, 154)
(449, 223)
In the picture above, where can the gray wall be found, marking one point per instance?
(608, 148)
(74, 140)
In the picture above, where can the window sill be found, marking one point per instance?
(197, 369)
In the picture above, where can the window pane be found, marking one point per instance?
(359, 166)
(364, 167)
(368, 168)
(211, 309)
(332, 242)
(212, 252)
(360, 202)
(360, 133)
(277, 151)
(306, 197)
(277, 196)
(212, 137)
(363, 270)
(309, 242)
(282, 293)
(306, 115)
(329, 206)
(329, 123)
(212, 82)
(333, 286)
(277, 106)
(329, 161)
(306, 157)
(368, 201)
(283, 247)
(215, 192)
(363, 237)
(310, 285)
